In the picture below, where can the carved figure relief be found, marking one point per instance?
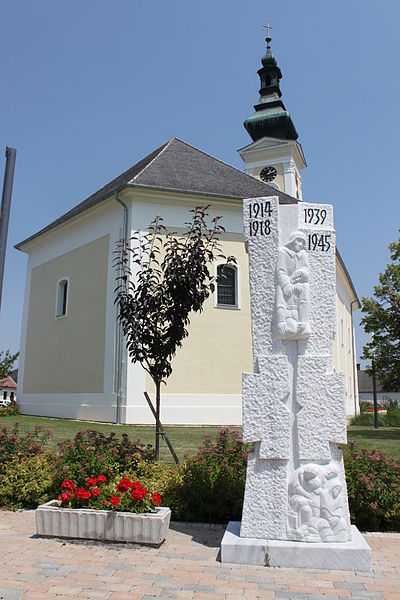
(292, 292)
(316, 505)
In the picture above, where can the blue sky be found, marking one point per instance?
(90, 87)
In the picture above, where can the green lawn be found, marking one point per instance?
(183, 439)
(188, 439)
(384, 438)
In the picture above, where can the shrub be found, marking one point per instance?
(9, 411)
(373, 484)
(392, 417)
(27, 482)
(211, 484)
(17, 445)
(366, 419)
(91, 453)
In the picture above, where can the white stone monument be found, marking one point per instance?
(295, 511)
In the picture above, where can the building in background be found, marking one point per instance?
(8, 389)
(68, 355)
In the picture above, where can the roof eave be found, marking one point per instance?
(347, 274)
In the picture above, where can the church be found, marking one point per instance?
(72, 362)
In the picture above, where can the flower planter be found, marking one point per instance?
(86, 523)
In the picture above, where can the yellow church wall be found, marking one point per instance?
(218, 348)
(66, 354)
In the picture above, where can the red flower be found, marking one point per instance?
(137, 494)
(101, 479)
(82, 494)
(91, 481)
(68, 484)
(96, 492)
(115, 500)
(64, 497)
(156, 499)
(105, 502)
(135, 485)
(124, 485)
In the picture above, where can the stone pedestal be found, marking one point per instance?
(293, 402)
(353, 555)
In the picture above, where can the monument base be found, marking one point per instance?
(343, 556)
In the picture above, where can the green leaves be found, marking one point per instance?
(7, 361)
(382, 319)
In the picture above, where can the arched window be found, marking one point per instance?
(62, 298)
(227, 286)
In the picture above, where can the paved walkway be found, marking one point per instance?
(186, 566)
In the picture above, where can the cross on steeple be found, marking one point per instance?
(268, 27)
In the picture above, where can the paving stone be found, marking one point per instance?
(365, 594)
(198, 588)
(321, 597)
(291, 595)
(348, 585)
(10, 593)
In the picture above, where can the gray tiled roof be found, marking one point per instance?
(177, 166)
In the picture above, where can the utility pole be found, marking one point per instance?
(374, 393)
(5, 210)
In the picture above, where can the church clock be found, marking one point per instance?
(268, 174)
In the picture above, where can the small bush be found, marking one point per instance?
(18, 445)
(210, 485)
(91, 453)
(366, 419)
(9, 411)
(392, 417)
(373, 484)
(27, 482)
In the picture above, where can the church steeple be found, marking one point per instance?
(274, 156)
(271, 118)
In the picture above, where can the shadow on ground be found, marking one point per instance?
(203, 534)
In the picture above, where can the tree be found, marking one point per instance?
(382, 319)
(170, 279)
(7, 361)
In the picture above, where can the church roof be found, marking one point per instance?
(177, 167)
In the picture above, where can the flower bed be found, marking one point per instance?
(132, 513)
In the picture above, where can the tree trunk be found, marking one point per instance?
(158, 398)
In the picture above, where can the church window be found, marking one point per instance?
(227, 286)
(62, 297)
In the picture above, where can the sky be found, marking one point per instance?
(91, 87)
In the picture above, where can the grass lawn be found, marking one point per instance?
(187, 439)
(183, 439)
(384, 438)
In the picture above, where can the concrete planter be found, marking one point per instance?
(86, 523)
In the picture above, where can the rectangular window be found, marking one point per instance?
(62, 298)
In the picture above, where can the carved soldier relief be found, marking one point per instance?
(316, 505)
(292, 291)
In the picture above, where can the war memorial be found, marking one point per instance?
(295, 511)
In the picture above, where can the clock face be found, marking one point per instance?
(268, 174)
